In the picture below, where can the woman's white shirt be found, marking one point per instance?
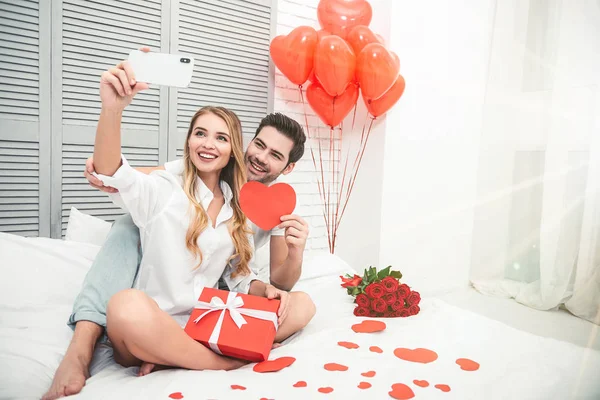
(162, 211)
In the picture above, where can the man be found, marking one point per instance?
(276, 147)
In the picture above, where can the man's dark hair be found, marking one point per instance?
(289, 128)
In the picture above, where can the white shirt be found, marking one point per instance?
(260, 237)
(161, 210)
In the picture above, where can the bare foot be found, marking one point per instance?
(146, 368)
(69, 378)
(276, 345)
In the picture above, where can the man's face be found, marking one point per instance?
(267, 156)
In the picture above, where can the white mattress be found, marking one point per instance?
(514, 364)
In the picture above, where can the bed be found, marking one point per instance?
(40, 278)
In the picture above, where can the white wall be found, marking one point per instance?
(432, 140)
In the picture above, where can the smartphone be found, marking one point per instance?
(162, 68)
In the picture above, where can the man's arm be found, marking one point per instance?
(287, 252)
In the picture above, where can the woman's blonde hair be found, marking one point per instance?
(234, 174)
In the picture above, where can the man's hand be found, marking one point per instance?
(93, 181)
(271, 292)
(296, 232)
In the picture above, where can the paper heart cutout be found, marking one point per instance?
(265, 205)
(274, 365)
(419, 355)
(364, 385)
(340, 16)
(300, 384)
(294, 54)
(325, 390)
(331, 110)
(238, 387)
(467, 365)
(443, 388)
(348, 345)
(176, 396)
(369, 326)
(375, 349)
(369, 374)
(335, 367)
(422, 384)
(401, 392)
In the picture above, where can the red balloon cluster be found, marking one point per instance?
(339, 60)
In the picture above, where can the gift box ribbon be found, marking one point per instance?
(234, 304)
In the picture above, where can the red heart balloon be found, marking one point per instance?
(294, 54)
(335, 64)
(331, 110)
(321, 33)
(384, 103)
(377, 70)
(265, 205)
(340, 16)
(359, 37)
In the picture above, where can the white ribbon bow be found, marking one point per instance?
(234, 305)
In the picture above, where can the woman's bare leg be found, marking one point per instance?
(302, 310)
(140, 331)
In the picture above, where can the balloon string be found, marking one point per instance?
(351, 186)
(320, 184)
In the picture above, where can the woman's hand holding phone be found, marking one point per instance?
(118, 86)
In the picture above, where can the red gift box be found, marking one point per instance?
(234, 324)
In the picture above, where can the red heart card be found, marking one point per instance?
(265, 205)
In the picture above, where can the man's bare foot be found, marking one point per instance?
(69, 378)
(146, 368)
(276, 345)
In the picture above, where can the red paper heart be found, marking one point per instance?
(340, 16)
(364, 385)
(265, 205)
(176, 395)
(369, 326)
(443, 388)
(238, 387)
(294, 54)
(369, 374)
(348, 345)
(421, 383)
(325, 390)
(401, 392)
(274, 365)
(423, 356)
(335, 367)
(375, 349)
(467, 365)
(331, 110)
(300, 384)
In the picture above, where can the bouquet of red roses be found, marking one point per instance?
(380, 294)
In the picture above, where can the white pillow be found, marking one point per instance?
(323, 263)
(85, 228)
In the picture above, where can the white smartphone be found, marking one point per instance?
(162, 68)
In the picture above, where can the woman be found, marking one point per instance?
(192, 229)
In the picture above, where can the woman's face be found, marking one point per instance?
(210, 144)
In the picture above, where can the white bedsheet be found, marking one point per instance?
(514, 364)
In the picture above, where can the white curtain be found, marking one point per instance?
(537, 217)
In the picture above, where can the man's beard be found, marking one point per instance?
(265, 179)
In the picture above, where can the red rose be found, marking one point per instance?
(403, 291)
(375, 290)
(373, 313)
(379, 305)
(389, 299)
(351, 282)
(414, 310)
(361, 311)
(389, 314)
(413, 298)
(363, 300)
(391, 284)
(398, 305)
(404, 313)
